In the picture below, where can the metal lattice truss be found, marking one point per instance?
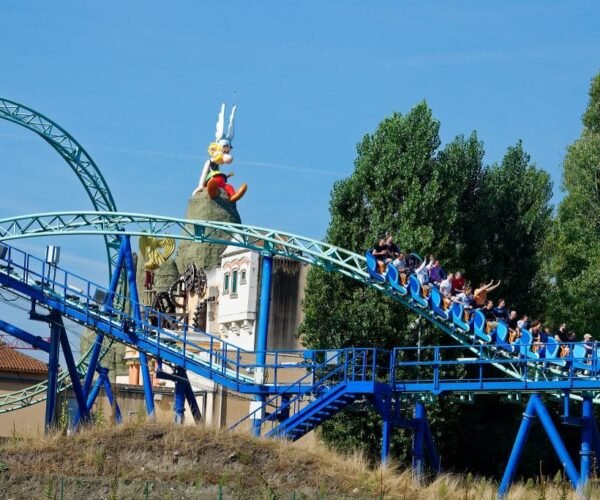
(267, 241)
(95, 186)
(71, 151)
(262, 240)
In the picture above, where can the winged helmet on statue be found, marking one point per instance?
(211, 177)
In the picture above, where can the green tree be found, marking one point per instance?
(514, 216)
(402, 183)
(433, 200)
(574, 247)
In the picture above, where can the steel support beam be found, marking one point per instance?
(116, 275)
(15, 331)
(89, 376)
(386, 435)
(135, 306)
(52, 376)
(179, 400)
(518, 446)
(103, 382)
(72, 367)
(109, 394)
(418, 461)
(587, 444)
(557, 443)
(261, 335)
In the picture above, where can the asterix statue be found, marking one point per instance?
(212, 178)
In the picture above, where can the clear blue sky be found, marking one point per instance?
(139, 84)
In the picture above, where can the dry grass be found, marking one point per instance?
(198, 462)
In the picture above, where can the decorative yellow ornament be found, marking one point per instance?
(156, 251)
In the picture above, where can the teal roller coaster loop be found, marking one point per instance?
(73, 153)
(99, 193)
(324, 255)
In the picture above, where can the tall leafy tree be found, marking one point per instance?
(404, 184)
(433, 200)
(574, 248)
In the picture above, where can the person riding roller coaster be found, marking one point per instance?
(211, 177)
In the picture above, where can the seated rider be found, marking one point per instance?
(481, 292)
(501, 312)
(490, 317)
(380, 253)
(401, 265)
(392, 249)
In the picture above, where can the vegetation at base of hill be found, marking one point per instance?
(179, 462)
(488, 221)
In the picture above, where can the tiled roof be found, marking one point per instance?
(14, 361)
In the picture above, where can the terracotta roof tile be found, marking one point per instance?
(14, 361)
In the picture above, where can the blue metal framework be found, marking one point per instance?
(333, 378)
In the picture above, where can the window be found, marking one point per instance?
(243, 277)
(234, 281)
(226, 283)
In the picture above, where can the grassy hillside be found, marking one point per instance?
(165, 461)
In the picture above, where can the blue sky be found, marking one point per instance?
(139, 84)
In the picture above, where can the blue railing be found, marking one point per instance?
(339, 367)
(455, 368)
(83, 301)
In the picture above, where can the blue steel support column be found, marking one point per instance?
(15, 331)
(135, 306)
(418, 435)
(179, 402)
(515, 455)
(386, 433)
(261, 336)
(52, 376)
(109, 395)
(116, 274)
(587, 437)
(107, 306)
(191, 399)
(72, 367)
(554, 436)
(91, 399)
(89, 376)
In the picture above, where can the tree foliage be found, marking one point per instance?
(574, 246)
(487, 222)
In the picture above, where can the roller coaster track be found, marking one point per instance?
(97, 190)
(73, 153)
(299, 248)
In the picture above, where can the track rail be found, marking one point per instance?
(263, 240)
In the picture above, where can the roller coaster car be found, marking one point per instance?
(502, 338)
(479, 326)
(437, 304)
(458, 315)
(553, 352)
(579, 358)
(372, 267)
(526, 342)
(416, 292)
(393, 278)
